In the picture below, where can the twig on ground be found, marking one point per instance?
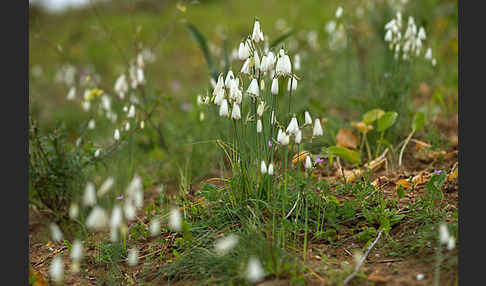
(358, 266)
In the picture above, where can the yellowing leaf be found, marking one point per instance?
(453, 175)
(181, 7)
(404, 183)
(362, 127)
(346, 138)
(300, 157)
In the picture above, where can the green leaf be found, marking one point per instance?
(281, 39)
(400, 192)
(418, 121)
(387, 120)
(372, 115)
(201, 40)
(346, 154)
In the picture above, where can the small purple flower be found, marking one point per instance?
(270, 143)
(438, 172)
(120, 197)
(319, 160)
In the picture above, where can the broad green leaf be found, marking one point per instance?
(346, 154)
(372, 115)
(387, 120)
(418, 122)
(201, 40)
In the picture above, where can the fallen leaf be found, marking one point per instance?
(346, 138)
(300, 157)
(36, 278)
(362, 127)
(419, 179)
(377, 278)
(453, 175)
(404, 183)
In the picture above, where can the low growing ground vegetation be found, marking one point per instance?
(168, 145)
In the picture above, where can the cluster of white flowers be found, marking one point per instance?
(66, 74)
(408, 43)
(337, 32)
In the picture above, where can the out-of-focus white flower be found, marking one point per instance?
(257, 34)
(91, 124)
(451, 243)
(283, 67)
(74, 211)
(97, 153)
(443, 233)
(246, 67)
(155, 227)
(293, 127)
(132, 258)
(331, 27)
(292, 82)
(223, 109)
(89, 198)
(72, 93)
(339, 12)
(86, 105)
(56, 270)
(224, 245)
(175, 219)
(434, 62)
(129, 210)
(298, 137)
(308, 162)
(142, 124)
(116, 135)
(76, 251)
(270, 169)
(308, 118)
(121, 86)
(263, 167)
(140, 76)
(388, 36)
(420, 276)
(253, 88)
(127, 126)
(56, 232)
(275, 86)
(106, 186)
(116, 217)
(131, 112)
(243, 51)
(317, 128)
(428, 54)
(421, 34)
(236, 113)
(259, 126)
(256, 60)
(285, 139)
(254, 270)
(297, 62)
(97, 219)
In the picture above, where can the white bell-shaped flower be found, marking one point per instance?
(308, 118)
(292, 83)
(308, 162)
(270, 169)
(317, 128)
(283, 67)
(236, 113)
(259, 126)
(293, 127)
(298, 137)
(223, 109)
(274, 88)
(253, 88)
(243, 51)
(263, 167)
(245, 69)
(257, 34)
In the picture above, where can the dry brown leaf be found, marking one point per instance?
(351, 175)
(404, 183)
(453, 175)
(37, 278)
(374, 277)
(419, 179)
(299, 157)
(346, 138)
